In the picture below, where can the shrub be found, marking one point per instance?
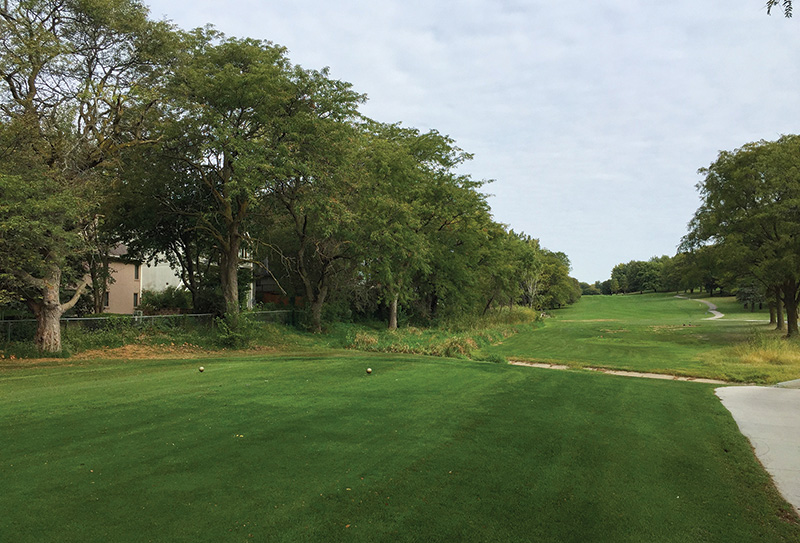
(170, 299)
(362, 341)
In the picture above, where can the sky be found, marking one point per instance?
(591, 118)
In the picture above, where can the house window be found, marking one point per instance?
(135, 299)
(105, 299)
(136, 272)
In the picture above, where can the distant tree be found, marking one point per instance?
(531, 267)
(590, 290)
(619, 279)
(500, 263)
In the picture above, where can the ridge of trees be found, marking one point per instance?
(214, 152)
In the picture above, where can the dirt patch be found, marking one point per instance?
(639, 374)
(670, 327)
(590, 320)
(539, 365)
(143, 352)
(185, 351)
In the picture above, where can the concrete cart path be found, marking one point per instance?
(770, 418)
(712, 308)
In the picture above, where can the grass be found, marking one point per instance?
(307, 447)
(663, 334)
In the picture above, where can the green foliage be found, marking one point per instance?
(455, 338)
(749, 216)
(210, 152)
(171, 298)
(234, 331)
(785, 4)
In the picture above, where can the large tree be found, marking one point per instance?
(751, 201)
(240, 123)
(414, 196)
(77, 80)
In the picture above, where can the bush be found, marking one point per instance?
(235, 331)
(171, 299)
(362, 341)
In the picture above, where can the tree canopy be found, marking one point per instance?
(221, 157)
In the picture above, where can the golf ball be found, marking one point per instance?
(201, 369)
(369, 370)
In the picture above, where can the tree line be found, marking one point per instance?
(215, 152)
(686, 271)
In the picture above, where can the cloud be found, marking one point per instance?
(592, 117)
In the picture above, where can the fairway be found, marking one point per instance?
(651, 333)
(311, 448)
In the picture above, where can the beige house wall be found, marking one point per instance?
(125, 293)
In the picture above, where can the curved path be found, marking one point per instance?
(712, 308)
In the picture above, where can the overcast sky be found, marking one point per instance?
(592, 117)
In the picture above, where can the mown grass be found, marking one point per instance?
(663, 334)
(310, 448)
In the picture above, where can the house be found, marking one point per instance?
(125, 289)
(131, 277)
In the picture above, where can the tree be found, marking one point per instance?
(785, 4)
(78, 79)
(414, 197)
(242, 122)
(39, 236)
(153, 211)
(751, 198)
(316, 206)
(501, 268)
(532, 269)
(558, 289)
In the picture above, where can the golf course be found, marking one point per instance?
(305, 445)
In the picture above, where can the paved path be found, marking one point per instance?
(712, 308)
(770, 418)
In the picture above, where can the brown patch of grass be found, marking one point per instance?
(590, 320)
(139, 351)
(670, 327)
(363, 340)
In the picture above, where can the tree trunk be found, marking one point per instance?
(791, 319)
(790, 302)
(316, 309)
(779, 310)
(100, 275)
(229, 276)
(488, 304)
(48, 311)
(434, 305)
(772, 316)
(393, 313)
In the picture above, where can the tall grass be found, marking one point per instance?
(767, 356)
(465, 337)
